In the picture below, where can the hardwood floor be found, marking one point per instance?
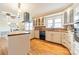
(40, 47)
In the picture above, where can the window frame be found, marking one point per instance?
(53, 21)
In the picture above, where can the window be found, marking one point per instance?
(58, 23)
(50, 23)
(28, 26)
(54, 22)
(31, 26)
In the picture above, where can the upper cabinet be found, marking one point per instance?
(76, 14)
(39, 21)
(65, 17)
(69, 17)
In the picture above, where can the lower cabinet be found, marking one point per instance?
(53, 36)
(36, 33)
(64, 39)
(67, 41)
(56, 37)
(49, 36)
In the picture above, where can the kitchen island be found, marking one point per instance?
(18, 42)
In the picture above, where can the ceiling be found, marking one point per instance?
(35, 9)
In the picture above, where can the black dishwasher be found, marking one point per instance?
(42, 35)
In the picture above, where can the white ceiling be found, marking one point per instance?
(34, 9)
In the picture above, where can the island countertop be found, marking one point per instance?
(18, 33)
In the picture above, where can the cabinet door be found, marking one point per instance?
(71, 14)
(62, 36)
(56, 37)
(48, 36)
(66, 41)
(65, 18)
(36, 33)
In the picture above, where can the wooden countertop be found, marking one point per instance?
(54, 29)
(57, 30)
(18, 33)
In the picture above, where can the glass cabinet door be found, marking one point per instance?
(65, 18)
(71, 16)
(76, 14)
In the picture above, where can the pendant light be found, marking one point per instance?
(19, 10)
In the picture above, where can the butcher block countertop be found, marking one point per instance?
(18, 33)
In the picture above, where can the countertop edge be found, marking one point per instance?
(18, 33)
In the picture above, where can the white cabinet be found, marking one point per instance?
(67, 41)
(68, 16)
(18, 44)
(64, 39)
(36, 33)
(49, 36)
(39, 21)
(70, 41)
(53, 36)
(56, 37)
